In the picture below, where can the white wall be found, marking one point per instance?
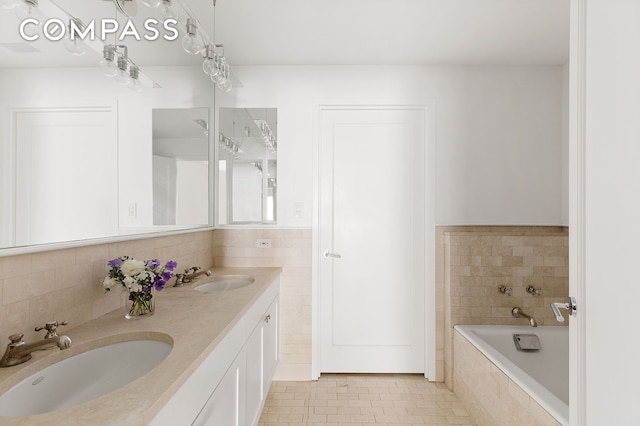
(499, 133)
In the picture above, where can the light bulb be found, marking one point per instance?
(107, 65)
(151, 3)
(9, 4)
(166, 11)
(191, 44)
(225, 85)
(108, 68)
(209, 67)
(26, 10)
(122, 76)
(74, 46)
(135, 85)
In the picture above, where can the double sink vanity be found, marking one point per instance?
(207, 356)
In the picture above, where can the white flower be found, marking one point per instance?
(132, 267)
(110, 282)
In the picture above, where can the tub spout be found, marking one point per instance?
(518, 312)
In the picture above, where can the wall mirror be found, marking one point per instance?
(180, 166)
(80, 152)
(247, 166)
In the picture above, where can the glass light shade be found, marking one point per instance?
(135, 85)
(151, 3)
(9, 4)
(108, 68)
(191, 44)
(167, 12)
(24, 11)
(225, 85)
(123, 77)
(217, 77)
(76, 46)
(209, 67)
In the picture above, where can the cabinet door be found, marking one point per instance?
(271, 343)
(224, 406)
(254, 373)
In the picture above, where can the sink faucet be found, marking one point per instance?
(518, 312)
(18, 351)
(190, 275)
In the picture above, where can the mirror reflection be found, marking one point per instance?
(247, 166)
(80, 152)
(181, 166)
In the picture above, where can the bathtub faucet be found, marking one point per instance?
(519, 313)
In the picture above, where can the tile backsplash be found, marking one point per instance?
(66, 284)
(474, 261)
(291, 250)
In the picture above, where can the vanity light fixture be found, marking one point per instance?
(134, 83)
(231, 147)
(107, 64)
(191, 43)
(122, 76)
(210, 63)
(123, 69)
(72, 42)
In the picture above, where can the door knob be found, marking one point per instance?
(569, 305)
(327, 253)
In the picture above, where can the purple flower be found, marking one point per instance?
(171, 265)
(160, 285)
(115, 262)
(153, 264)
(166, 275)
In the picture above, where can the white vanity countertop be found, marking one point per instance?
(192, 321)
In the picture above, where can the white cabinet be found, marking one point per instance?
(224, 407)
(271, 349)
(262, 356)
(230, 386)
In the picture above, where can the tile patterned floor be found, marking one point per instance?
(363, 400)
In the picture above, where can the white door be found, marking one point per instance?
(58, 150)
(605, 204)
(372, 217)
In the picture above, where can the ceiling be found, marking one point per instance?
(340, 32)
(393, 32)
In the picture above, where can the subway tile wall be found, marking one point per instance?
(291, 250)
(66, 284)
(473, 261)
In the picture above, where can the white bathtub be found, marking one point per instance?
(544, 375)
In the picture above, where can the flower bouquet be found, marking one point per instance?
(140, 279)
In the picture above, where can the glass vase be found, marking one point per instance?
(141, 304)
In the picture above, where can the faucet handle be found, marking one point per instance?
(51, 328)
(192, 269)
(16, 338)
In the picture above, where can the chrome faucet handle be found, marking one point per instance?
(569, 305)
(51, 328)
(192, 270)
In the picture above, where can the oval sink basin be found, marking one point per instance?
(83, 377)
(226, 282)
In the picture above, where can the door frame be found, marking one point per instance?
(428, 109)
(577, 210)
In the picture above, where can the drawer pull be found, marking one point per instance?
(267, 318)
